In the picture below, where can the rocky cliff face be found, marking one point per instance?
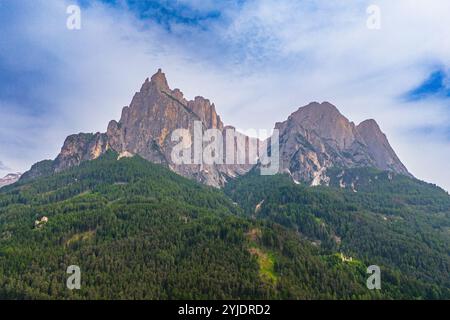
(379, 149)
(314, 138)
(80, 147)
(156, 111)
(145, 128)
(318, 136)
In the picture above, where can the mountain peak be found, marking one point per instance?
(323, 106)
(324, 120)
(159, 77)
(315, 112)
(158, 81)
(313, 138)
(316, 108)
(317, 136)
(369, 124)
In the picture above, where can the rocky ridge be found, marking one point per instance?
(10, 179)
(314, 138)
(317, 137)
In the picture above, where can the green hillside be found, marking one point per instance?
(139, 231)
(378, 218)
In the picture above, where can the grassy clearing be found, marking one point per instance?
(266, 262)
(83, 236)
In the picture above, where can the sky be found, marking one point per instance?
(257, 60)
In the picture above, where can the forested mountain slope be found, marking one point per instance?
(140, 231)
(381, 218)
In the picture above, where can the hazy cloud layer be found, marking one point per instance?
(3, 167)
(257, 60)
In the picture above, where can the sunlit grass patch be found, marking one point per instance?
(266, 262)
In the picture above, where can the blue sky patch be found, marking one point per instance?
(436, 85)
(170, 12)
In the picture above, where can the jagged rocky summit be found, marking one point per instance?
(317, 137)
(314, 138)
(145, 129)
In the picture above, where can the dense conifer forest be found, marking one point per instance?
(139, 231)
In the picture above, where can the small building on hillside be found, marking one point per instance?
(346, 259)
(41, 222)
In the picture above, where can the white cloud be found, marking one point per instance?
(3, 167)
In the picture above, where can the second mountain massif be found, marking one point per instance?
(141, 226)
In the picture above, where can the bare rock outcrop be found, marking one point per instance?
(314, 138)
(318, 136)
(145, 129)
